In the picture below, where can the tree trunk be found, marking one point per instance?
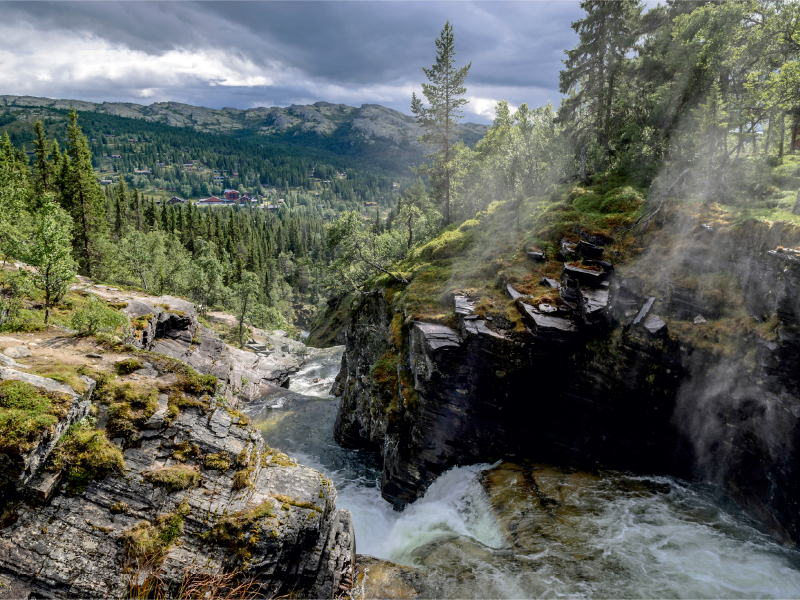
(783, 133)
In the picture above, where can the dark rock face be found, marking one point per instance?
(74, 546)
(603, 385)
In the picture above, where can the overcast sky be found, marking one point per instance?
(245, 54)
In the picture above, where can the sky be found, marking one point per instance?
(247, 54)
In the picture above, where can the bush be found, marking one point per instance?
(218, 462)
(95, 317)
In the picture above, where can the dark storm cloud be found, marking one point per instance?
(342, 49)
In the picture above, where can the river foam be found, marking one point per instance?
(622, 536)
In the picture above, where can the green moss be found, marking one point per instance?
(621, 200)
(119, 508)
(152, 541)
(384, 372)
(587, 201)
(449, 243)
(26, 414)
(243, 421)
(69, 374)
(130, 405)
(218, 462)
(84, 454)
(184, 450)
(242, 479)
(239, 531)
(128, 366)
(288, 501)
(174, 478)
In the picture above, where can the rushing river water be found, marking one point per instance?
(675, 540)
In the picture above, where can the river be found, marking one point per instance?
(624, 536)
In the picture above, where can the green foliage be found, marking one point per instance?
(84, 454)
(175, 478)
(621, 200)
(26, 414)
(96, 317)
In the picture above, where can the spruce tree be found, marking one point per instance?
(593, 68)
(83, 199)
(444, 95)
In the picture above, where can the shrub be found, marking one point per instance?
(84, 454)
(96, 317)
(174, 478)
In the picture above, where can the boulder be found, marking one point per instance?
(536, 256)
(643, 312)
(17, 352)
(655, 326)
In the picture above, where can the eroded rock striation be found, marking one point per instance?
(200, 501)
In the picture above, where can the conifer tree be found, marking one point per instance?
(593, 68)
(42, 167)
(83, 199)
(444, 95)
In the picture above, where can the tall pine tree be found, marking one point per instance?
(444, 95)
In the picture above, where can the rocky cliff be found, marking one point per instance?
(682, 362)
(194, 503)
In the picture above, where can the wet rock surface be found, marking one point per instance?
(604, 384)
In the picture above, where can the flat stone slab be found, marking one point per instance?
(464, 306)
(512, 292)
(584, 276)
(536, 256)
(438, 336)
(589, 250)
(546, 326)
(645, 309)
(550, 282)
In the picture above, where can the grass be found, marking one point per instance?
(152, 541)
(84, 454)
(69, 374)
(130, 405)
(242, 479)
(175, 478)
(26, 413)
(218, 462)
(240, 530)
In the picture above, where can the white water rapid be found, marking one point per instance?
(673, 540)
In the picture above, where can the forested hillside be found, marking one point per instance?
(370, 136)
(162, 161)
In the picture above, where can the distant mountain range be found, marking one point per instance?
(369, 123)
